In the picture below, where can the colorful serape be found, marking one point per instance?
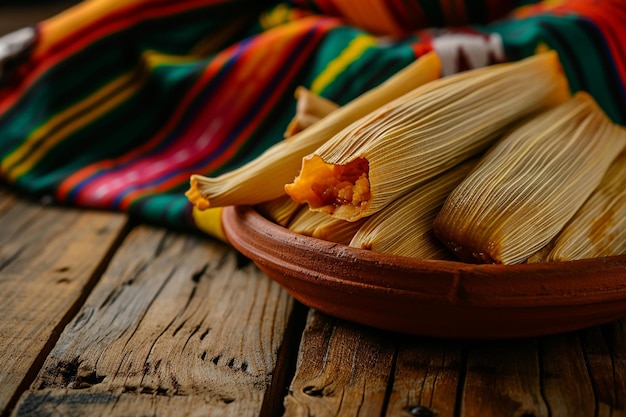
(113, 104)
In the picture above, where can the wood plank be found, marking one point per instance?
(551, 376)
(426, 378)
(6, 198)
(81, 403)
(503, 378)
(343, 369)
(173, 324)
(604, 349)
(48, 259)
(527, 377)
(566, 383)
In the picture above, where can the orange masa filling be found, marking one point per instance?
(332, 188)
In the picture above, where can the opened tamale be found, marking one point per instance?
(530, 184)
(404, 227)
(599, 227)
(264, 178)
(422, 134)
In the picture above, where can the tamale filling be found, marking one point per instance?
(333, 187)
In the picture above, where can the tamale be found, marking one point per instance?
(422, 134)
(405, 226)
(264, 178)
(530, 184)
(310, 108)
(279, 210)
(323, 226)
(599, 227)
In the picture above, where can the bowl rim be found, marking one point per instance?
(448, 299)
(572, 282)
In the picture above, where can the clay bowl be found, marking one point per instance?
(443, 299)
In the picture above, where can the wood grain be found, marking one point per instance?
(566, 381)
(604, 349)
(49, 258)
(79, 403)
(343, 369)
(426, 378)
(6, 198)
(573, 374)
(503, 378)
(174, 320)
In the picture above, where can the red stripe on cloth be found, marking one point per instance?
(278, 49)
(81, 175)
(415, 14)
(424, 44)
(460, 13)
(296, 57)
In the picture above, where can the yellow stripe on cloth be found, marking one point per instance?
(335, 67)
(60, 126)
(209, 221)
(155, 58)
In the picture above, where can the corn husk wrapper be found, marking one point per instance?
(310, 108)
(405, 227)
(599, 227)
(279, 210)
(530, 184)
(422, 134)
(264, 178)
(541, 254)
(323, 226)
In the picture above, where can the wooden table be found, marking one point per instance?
(105, 316)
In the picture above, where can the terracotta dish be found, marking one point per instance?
(432, 298)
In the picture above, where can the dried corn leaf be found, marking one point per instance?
(599, 227)
(422, 134)
(279, 210)
(541, 254)
(404, 227)
(310, 108)
(530, 184)
(323, 226)
(264, 178)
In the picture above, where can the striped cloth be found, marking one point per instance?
(113, 104)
